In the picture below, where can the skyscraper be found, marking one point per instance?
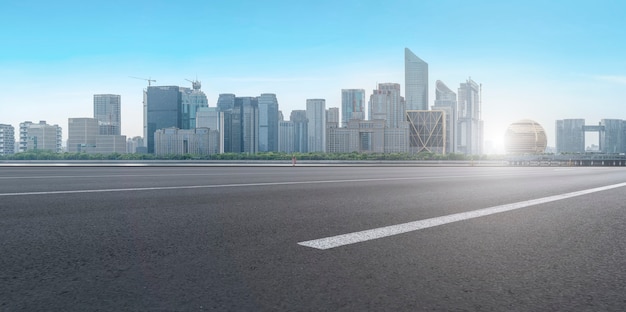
(301, 130)
(225, 101)
(241, 125)
(570, 136)
(163, 110)
(316, 114)
(107, 110)
(352, 105)
(387, 103)
(286, 139)
(612, 136)
(192, 100)
(208, 117)
(469, 124)
(212, 118)
(415, 81)
(445, 99)
(249, 123)
(268, 122)
(332, 116)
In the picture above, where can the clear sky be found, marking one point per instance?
(542, 60)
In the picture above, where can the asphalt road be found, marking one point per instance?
(229, 239)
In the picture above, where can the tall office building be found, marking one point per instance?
(612, 136)
(352, 105)
(41, 136)
(226, 101)
(415, 81)
(316, 114)
(286, 136)
(332, 115)
(208, 117)
(82, 134)
(570, 136)
(301, 130)
(249, 123)
(268, 122)
(212, 118)
(469, 125)
(192, 100)
(386, 103)
(162, 110)
(7, 140)
(445, 99)
(108, 111)
(241, 125)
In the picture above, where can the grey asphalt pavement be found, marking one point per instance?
(226, 239)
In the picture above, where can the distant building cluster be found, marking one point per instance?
(100, 134)
(178, 120)
(174, 117)
(570, 136)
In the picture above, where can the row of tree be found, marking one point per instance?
(48, 155)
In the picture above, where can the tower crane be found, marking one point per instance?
(195, 84)
(148, 80)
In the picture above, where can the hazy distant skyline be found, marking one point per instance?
(538, 60)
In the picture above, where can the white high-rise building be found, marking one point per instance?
(415, 81)
(7, 140)
(469, 124)
(316, 114)
(387, 103)
(107, 110)
(286, 136)
(445, 99)
(212, 118)
(41, 136)
(332, 115)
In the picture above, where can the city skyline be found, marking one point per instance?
(544, 65)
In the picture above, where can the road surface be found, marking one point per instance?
(312, 239)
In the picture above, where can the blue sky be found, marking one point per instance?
(543, 60)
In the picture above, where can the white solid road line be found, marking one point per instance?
(156, 188)
(363, 236)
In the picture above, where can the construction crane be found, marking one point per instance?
(195, 84)
(148, 80)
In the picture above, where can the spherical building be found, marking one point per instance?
(525, 137)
